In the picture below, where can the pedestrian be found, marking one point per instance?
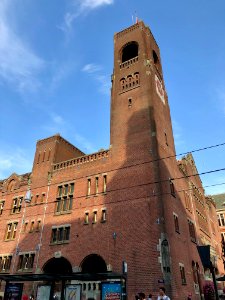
(31, 297)
(136, 297)
(150, 297)
(141, 296)
(162, 294)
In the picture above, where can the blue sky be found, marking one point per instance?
(56, 59)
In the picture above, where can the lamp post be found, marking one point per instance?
(204, 253)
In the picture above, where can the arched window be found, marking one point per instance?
(122, 83)
(130, 51)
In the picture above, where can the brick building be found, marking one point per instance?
(220, 210)
(132, 213)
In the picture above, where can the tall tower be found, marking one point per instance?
(140, 112)
(142, 142)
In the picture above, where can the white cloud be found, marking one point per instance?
(18, 63)
(81, 7)
(14, 160)
(91, 68)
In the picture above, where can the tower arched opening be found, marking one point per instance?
(129, 51)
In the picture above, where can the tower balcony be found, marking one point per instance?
(129, 62)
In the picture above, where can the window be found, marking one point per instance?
(38, 227)
(86, 218)
(94, 217)
(182, 274)
(192, 231)
(165, 256)
(42, 197)
(25, 226)
(221, 220)
(96, 185)
(25, 262)
(11, 231)
(5, 263)
(17, 205)
(103, 215)
(104, 183)
(32, 226)
(176, 223)
(60, 234)
(2, 203)
(89, 187)
(36, 199)
(64, 200)
(172, 188)
(49, 154)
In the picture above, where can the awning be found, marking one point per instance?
(61, 277)
(222, 278)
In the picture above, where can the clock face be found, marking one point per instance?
(159, 89)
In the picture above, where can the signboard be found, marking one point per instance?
(43, 292)
(72, 292)
(111, 291)
(13, 291)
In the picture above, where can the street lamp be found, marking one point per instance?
(204, 253)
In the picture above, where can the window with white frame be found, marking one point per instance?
(11, 231)
(17, 205)
(2, 203)
(26, 261)
(221, 220)
(5, 263)
(60, 234)
(64, 200)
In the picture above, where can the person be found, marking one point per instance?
(31, 297)
(162, 294)
(150, 297)
(141, 296)
(136, 297)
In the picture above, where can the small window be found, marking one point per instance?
(182, 274)
(104, 183)
(86, 218)
(176, 223)
(103, 216)
(129, 102)
(192, 231)
(43, 159)
(89, 187)
(32, 226)
(49, 154)
(96, 185)
(38, 227)
(42, 198)
(172, 188)
(25, 226)
(94, 217)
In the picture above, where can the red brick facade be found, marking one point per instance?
(132, 203)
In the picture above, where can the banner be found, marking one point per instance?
(111, 291)
(13, 291)
(43, 292)
(72, 292)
